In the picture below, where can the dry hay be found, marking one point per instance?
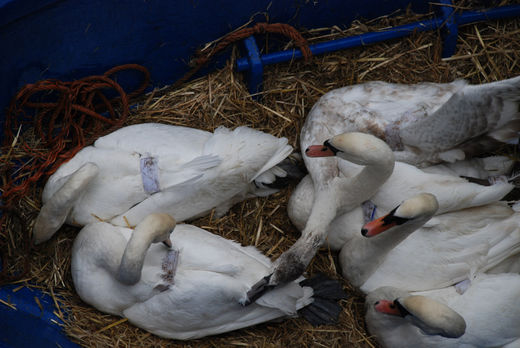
(486, 52)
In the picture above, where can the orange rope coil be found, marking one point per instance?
(287, 30)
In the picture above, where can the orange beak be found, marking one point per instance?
(319, 151)
(387, 307)
(375, 227)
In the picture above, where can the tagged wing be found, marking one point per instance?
(187, 173)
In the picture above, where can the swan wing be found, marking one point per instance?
(487, 306)
(171, 176)
(200, 303)
(212, 275)
(457, 246)
(155, 138)
(452, 192)
(470, 112)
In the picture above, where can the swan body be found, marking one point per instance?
(451, 247)
(413, 251)
(189, 291)
(452, 193)
(146, 168)
(359, 148)
(423, 123)
(485, 315)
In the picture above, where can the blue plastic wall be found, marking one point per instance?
(29, 325)
(72, 39)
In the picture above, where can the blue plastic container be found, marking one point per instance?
(68, 40)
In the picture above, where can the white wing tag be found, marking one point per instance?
(150, 174)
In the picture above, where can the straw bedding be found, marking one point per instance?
(485, 52)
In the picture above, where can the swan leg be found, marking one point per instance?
(55, 211)
(288, 267)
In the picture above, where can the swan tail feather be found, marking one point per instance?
(492, 193)
(282, 153)
(291, 169)
(508, 133)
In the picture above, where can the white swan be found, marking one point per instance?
(189, 291)
(449, 248)
(341, 187)
(378, 162)
(152, 167)
(486, 315)
(423, 123)
(452, 193)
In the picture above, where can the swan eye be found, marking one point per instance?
(327, 145)
(390, 218)
(403, 311)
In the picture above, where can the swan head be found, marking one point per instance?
(159, 226)
(356, 147)
(415, 212)
(154, 228)
(432, 317)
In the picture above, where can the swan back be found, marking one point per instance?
(203, 296)
(450, 248)
(146, 168)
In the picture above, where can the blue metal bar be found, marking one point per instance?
(348, 42)
(396, 32)
(255, 63)
(449, 28)
(496, 13)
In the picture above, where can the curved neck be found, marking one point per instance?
(345, 194)
(353, 192)
(129, 271)
(365, 255)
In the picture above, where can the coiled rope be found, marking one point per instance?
(65, 116)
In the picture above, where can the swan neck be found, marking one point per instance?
(364, 185)
(367, 254)
(133, 258)
(344, 193)
(323, 211)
